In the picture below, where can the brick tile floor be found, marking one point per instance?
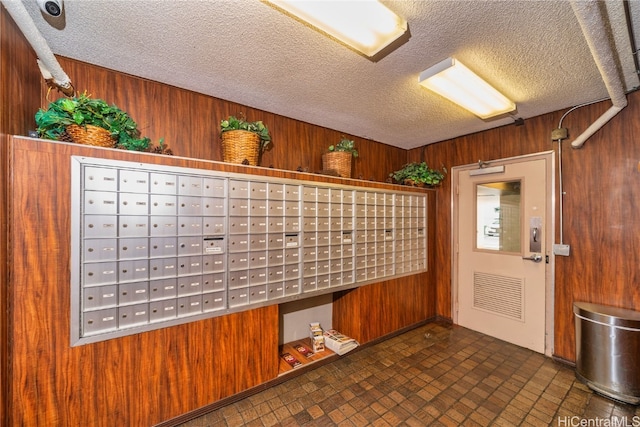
(434, 375)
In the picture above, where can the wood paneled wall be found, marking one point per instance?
(138, 380)
(190, 124)
(20, 79)
(153, 376)
(601, 206)
(19, 97)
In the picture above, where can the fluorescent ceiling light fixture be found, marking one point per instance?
(366, 25)
(454, 81)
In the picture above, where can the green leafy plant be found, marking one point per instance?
(235, 123)
(418, 174)
(84, 110)
(345, 145)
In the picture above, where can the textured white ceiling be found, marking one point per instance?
(247, 52)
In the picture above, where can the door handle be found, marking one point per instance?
(534, 258)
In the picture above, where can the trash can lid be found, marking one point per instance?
(613, 316)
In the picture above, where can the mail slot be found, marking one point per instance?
(160, 311)
(162, 289)
(238, 189)
(258, 207)
(276, 191)
(322, 194)
(190, 185)
(276, 225)
(238, 225)
(133, 248)
(189, 305)
(309, 194)
(133, 315)
(258, 242)
(238, 279)
(214, 245)
(100, 273)
(257, 276)
(238, 297)
(309, 284)
(258, 190)
(257, 293)
(100, 321)
(335, 279)
(100, 226)
(275, 274)
(98, 178)
(190, 245)
(190, 225)
(163, 183)
(291, 255)
(275, 290)
(133, 204)
(100, 250)
(213, 263)
(163, 226)
(258, 258)
(133, 226)
(291, 208)
(100, 297)
(134, 181)
(213, 282)
(240, 243)
(238, 261)
(189, 265)
(213, 301)
(214, 187)
(291, 287)
(190, 285)
(133, 270)
(335, 195)
(163, 267)
(189, 205)
(291, 192)
(100, 203)
(213, 206)
(133, 292)
(276, 257)
(323, 209)
(323, 281)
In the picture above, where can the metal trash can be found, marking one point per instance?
(608, 350)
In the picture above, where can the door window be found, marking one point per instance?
(497, 216)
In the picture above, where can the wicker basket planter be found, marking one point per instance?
(241, 146)
(339, 162)
(90, 135)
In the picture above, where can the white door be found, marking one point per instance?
(502, 235)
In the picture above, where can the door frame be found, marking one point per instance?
(550, 228)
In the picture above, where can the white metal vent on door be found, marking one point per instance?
(499, 295)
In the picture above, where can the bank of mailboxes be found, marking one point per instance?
(156, 246)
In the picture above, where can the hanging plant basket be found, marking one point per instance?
(338, 161)
(241, 146)
(89, 135)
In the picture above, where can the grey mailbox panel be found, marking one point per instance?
(155, 246)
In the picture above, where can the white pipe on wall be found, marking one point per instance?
(49, 66)
(594, 30)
